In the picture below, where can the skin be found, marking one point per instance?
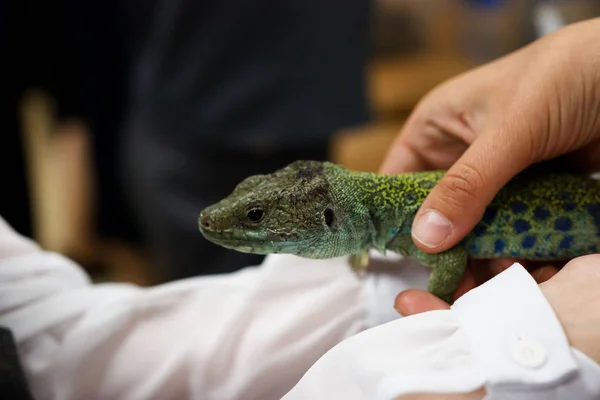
(536, 104)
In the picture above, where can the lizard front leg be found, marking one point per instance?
(448, 266)
(448, 270)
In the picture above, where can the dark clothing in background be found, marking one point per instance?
(19, 62)
(92, 86)
(13, 383)
(248, 73)
(223, 90)
(76, 52)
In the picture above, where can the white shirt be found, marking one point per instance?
(254, 334)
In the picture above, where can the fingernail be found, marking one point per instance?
(432, 229)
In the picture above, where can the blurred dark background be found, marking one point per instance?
(123, 119)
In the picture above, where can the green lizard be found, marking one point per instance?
(322, 210)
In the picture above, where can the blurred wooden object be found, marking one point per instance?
(363, 148)
(59, 177)
(397, 84)
(62, 185)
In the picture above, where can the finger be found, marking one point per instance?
(467, 283)
(476, 395)
(458, 201)
(533, 265)
(495, 267)
(415, 301)
(544, 273)
(408, 152)
(402, 158)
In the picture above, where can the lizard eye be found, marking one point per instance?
(255, 215)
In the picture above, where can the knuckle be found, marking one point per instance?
(461, 186)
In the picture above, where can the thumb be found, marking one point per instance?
(458, 201)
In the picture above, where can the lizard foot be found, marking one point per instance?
(359, 262)
(448, 270)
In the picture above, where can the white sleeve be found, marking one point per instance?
(503, 336)
(247, 335)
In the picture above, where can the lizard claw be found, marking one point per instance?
(359, 262)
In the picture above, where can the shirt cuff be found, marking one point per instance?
(515, 340)
(503, 335)
(519, 342)
(514, 332)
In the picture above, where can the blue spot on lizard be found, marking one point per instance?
(541, 214)
(499, 245)
(594, 210)
(566, 243)
(563, 224)
(519, 207)
(521, 226)
(528, 242)
(474, 249)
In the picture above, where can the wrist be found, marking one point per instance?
(577, 44)
(574, 294)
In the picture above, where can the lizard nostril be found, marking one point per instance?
(205, 221)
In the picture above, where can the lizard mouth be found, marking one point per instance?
(245, 242)
(257, 243)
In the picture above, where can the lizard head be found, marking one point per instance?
(292, 210)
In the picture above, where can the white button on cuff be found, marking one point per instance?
(529, 354)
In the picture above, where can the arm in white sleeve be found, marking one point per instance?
(503, 336)
(247, 335)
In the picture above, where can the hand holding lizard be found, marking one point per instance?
(489, 124)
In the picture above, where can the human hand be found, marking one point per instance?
(573, 293)
(489, 124)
